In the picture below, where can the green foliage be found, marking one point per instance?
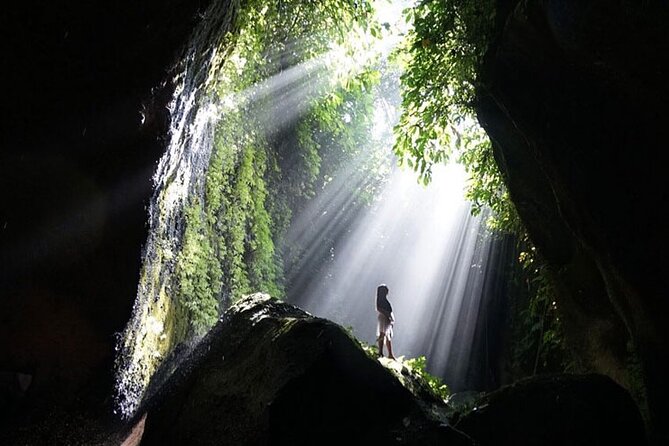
(443, 52)
(486, 189)
(263, 168)
(417, 366)
(342, 122)
(538, 338)
(413, 367)
(198, 274)
(442, 55)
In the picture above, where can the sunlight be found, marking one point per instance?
(424, 244)
(421, 241)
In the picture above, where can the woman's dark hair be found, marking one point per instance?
(381, 300)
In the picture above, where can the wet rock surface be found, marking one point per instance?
(270, 373)
(84, 116)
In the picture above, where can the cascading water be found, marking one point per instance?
(210, 229)
(151, 333)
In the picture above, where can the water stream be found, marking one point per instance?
(180, 174)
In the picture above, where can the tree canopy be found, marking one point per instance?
(442, 55)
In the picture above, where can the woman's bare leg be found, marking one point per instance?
(380, 341)
(390, 349)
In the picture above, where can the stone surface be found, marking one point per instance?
(272, 374)
(561, 410)
(83, 120)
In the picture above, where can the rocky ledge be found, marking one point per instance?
(270, 373)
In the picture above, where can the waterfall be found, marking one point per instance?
(152, 333)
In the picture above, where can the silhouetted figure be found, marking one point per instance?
(386, 319)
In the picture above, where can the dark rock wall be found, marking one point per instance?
(83, 121)
(574, 98)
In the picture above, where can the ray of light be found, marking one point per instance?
(423, 243)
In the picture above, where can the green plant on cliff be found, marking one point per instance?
(443, 51)
(198, 274)
(418, 366)
(271, 150)
(411, 372)
(538, 345)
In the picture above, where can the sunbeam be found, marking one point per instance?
(422, 242)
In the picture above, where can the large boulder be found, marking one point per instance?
(269, 373)
(561, 410)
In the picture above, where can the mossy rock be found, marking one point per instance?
(270, 373)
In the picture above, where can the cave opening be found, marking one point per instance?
(162, 163)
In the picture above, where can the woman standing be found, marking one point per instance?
(386, 320)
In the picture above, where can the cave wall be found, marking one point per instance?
(84, 117)
(574, 97)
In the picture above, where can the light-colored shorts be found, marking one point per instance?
(384, 327)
